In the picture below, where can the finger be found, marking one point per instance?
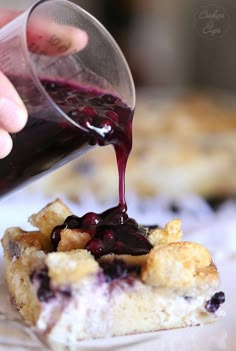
(12, 117)
(13, 113)
(52, 39)
(5, 143)
(48, 37)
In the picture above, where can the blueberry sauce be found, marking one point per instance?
(214, 303)
(107, 120)
(111, 232)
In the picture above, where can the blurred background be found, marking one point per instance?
(164, 40)
(182, 55)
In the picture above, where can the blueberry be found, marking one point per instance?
(90, 219)
(45, 294)
(108, 239)
(108, 99)
(89, 111)
(214, 303)
(219, 297)
(120, 248)
(212, 307)
(114, 116)
(96, 102)
(44, 291)
(96, 247)
(108, 235)
(56, 236)
(73, 114)
(50, 86)
(72, 222)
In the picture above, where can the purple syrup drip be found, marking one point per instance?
(108, 121)
(105, 117)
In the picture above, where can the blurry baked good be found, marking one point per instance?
(184, 143)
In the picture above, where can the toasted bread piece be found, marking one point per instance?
(50, 216)
(70, 267)
(179, 265)
(170, 233)
(73, 239)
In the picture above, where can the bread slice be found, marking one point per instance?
(68, 295)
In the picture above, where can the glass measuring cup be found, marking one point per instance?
(47, 79)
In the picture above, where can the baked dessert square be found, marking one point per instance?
(69, 292)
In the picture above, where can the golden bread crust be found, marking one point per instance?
(178, 265)
(23, 254)
(170, 233)
(50, 216)
(70, 267)
(72, 240)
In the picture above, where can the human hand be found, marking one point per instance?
(13, 113)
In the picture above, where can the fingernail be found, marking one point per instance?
(78, 38)
(12, 117)
(82, 39)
